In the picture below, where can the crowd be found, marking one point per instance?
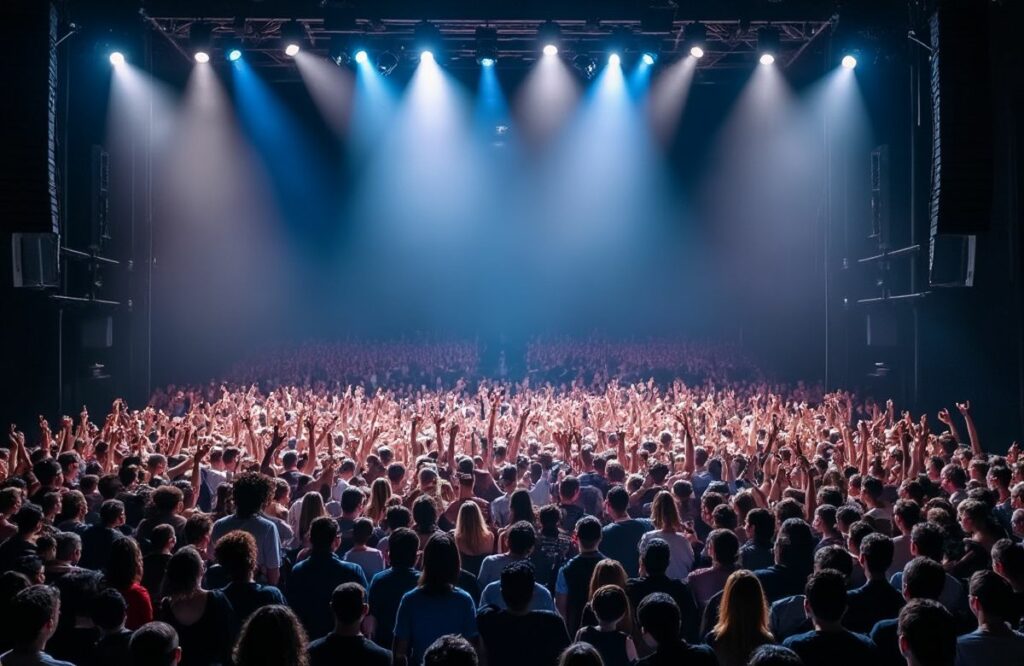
(305, 520)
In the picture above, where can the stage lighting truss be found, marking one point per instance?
(585, 65)
(392, 42)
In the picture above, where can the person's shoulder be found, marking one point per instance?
(799, 639)
(463, 596)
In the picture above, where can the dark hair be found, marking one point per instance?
(1011, 556)
(929, 540)
(165, 499)
(424, 514)
(826, 595)
(347, 602)
(160, 536)
(520, 507)
(609, 603)
(351, 499)
(109, 609)
(522, 537)
(362, 530)
(153, 643)
(46, 471)
(124, 568)
(569, 486)
(796, 545)
(251, 491)
(184, 570)
(517, 581)
(858, 531)
(322, 532)
(834, 557)
(908, 511)
(848, 515)
(111, 511)
(580, 654)
(726, 546)
(763, 522)
(656, 557)
(31, 610)
(774, 655)
(724, 516)
(403, 545)
(197, 526)
(236, 552)
(272, 635)
(659, 616)
(550, 516)
(993, 592)
(397, 516)
(588, 531)
(441, 564)
(877, 551)
(450, 650)
(28, 519)
(930, 632)
(618, 498)
(923, 578)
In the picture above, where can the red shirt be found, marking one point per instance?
(140, 607)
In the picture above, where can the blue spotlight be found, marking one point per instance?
(234, 54)
(362, 57)
(849, 61)
(648, 58)
(487, 62)
(614, 60)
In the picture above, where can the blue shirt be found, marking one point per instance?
(981, 648)
(832, 648)
(423, 618)
(262, 529)
(621, 541)
(541, 599)
(386, 591)
(953, 597)
(311, 585)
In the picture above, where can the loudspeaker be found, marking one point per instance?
(28, 117)
(951, 261)
(34, 260)
(962, 118)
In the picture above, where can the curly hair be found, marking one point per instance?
(236, 552)
(251, 492)
(272, 636)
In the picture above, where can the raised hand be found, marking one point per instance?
(944, 416)
(964, 407)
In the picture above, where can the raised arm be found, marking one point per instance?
(972, 431)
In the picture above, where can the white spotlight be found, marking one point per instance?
(291, 50)
(614, 60)
(696, 52)
(116, 58)
(426, 56)
(550, 50)
(202, 57)
(362, 57)
(849, 62)
(767, 59)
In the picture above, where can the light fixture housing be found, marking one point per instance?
(292, 37)
(486, 46)
(549, 36)
(427, 38)
(769, 40)
(116, 58)
(200, 38)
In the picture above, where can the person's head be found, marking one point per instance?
(761, 526)
(825, 519)
(774, 655)
(617, 501)
(522, 537)
(362, 531)
(184, 573)
(927, 633)
(155, 643)
(588, 533)
(450, 650)
(794, 546)
(580, 654)
(846, 516)
(876, 553)
(10, 500)
(520, 507)
(35, 612)
(1008, 561)
(403, 545)
(723, 547)
(198, 529)
(923, 578)
(272, 635)
(167, 499)
(610, 604)
(397, 516)
(927, 540)
(607, 572)
(743, 614)
(124, 568)
(236, 553)
(569, 489)
(990, 596)
(251, 493)
(953, 478)
(28, 520)
(858, 531)
(162, 538)
(664, 513)
(48, 473)
(471, 529)
(352, 501)
(69, 547)
(834, 557)
(348, 603)
(655, 557)
(324, 536)
(906, 514)
(550, 517)
(73, 506)
(109, 610)
(424, 514)
(517, 584)
(441, 564)
(659, 618)
(825, 599)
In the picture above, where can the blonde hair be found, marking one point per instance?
(742, 619)
(664, 513)
(471, 533)
(610, 572)
(380, 493)
(312, 508)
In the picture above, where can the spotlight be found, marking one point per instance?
(487, 62)
(292, 35)
(386, 63)
(585, 65)
(849, 61)
(116, 58)
(234, 54)
(200, 37)
(697, 38)
(549, 35)
(486, 46)
(614, 60)
(648, 58)
(362, 57)
(427, 38)
(768, 42)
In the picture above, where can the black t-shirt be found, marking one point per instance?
(886, 639)
(833, 648)
(871, 603)
(680, 654)
(112, 650)
(611, 645)
(638, 588)
(333, 649)
(535, 639)
(247, 598)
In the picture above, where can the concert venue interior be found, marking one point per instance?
(602, 216)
